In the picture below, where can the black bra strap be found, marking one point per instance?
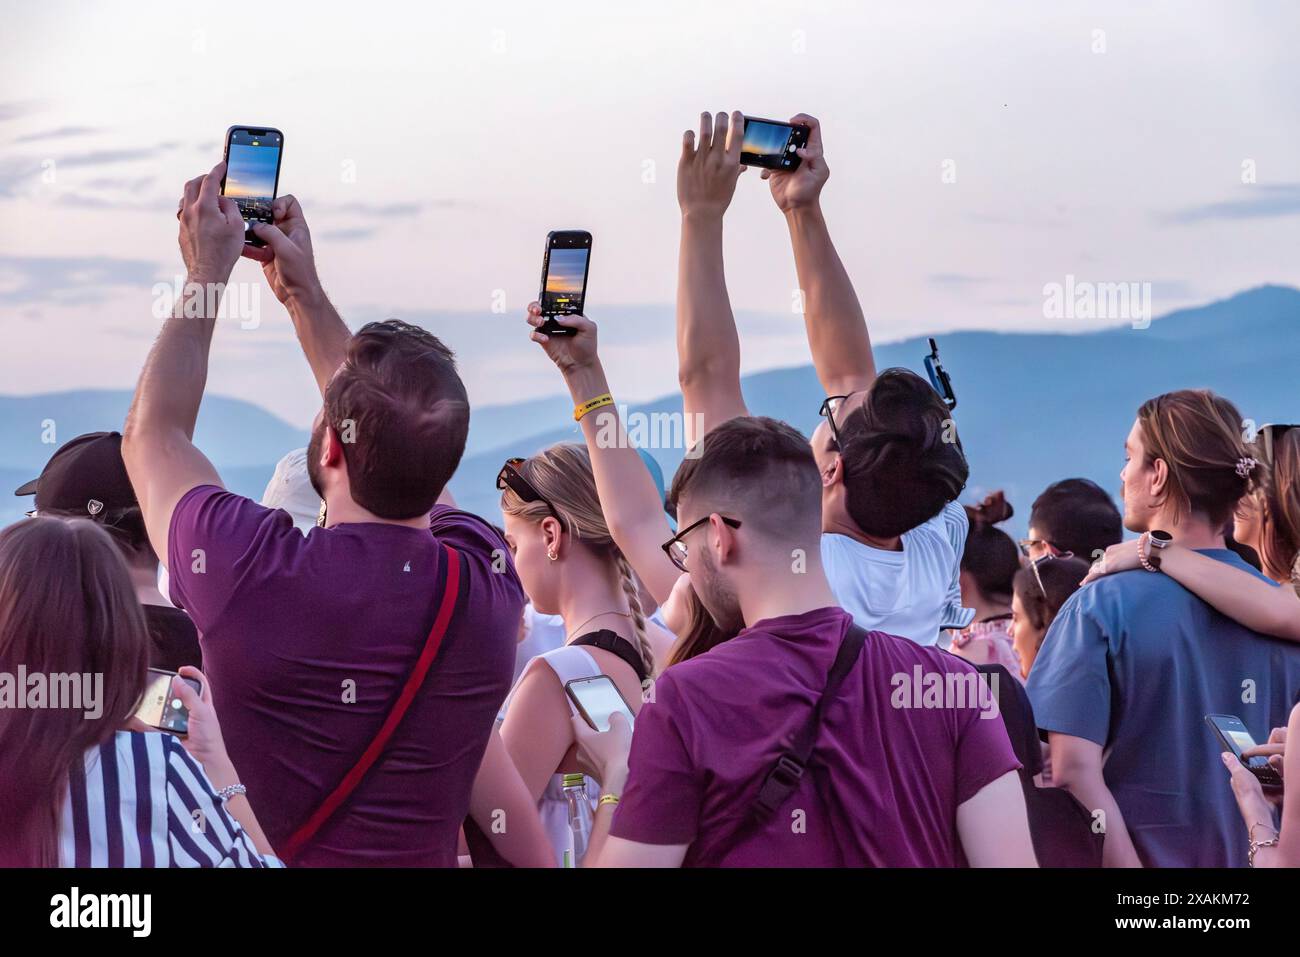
(615, 644)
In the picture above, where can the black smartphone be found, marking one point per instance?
(564, 277)
(253, 173)
(771, 144)
(162, 709)
(597, 698)
(939, 376)
(1234, 737)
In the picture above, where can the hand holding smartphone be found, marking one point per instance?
(160, 707)
(565, 265)
(253, 174)
(1232, 734)
(596, 699)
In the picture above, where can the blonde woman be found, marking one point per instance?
(569, 566)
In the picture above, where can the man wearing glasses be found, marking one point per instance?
(887, 451)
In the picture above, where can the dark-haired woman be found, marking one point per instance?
(79, 786)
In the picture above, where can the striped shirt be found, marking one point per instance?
(140, 800)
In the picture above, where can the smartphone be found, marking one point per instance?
(1234, 737)
(597, 698)
(161, 708)
(939, 376)
(253, 173)
(771, 144)
(564, 277)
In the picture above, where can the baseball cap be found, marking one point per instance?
(85, 476)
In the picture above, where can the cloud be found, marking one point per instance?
(1269, 201)
(347, 235)
(62, 132)
(955, 280)
(69, 280)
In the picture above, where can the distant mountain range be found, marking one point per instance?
(1032, 408)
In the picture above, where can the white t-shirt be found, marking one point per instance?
(913, 593)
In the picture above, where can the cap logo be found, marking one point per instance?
(94, 506)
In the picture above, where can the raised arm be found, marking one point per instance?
(1241, 596)
(708, 348)
(290, 266)
(837, 329)
(628, 496)
(157, 441)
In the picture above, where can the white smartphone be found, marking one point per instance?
(597, 698)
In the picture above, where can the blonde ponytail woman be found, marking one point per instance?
(569, 566)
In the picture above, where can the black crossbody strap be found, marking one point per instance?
(789, 769)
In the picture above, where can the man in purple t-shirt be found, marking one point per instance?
(308, 641)
(912, 765)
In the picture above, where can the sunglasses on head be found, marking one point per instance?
(511, 478)
(1043, 560)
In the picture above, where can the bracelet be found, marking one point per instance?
(1256, 845)
(1150, 562)
(226, 793)
(591, 405)
(607, 799)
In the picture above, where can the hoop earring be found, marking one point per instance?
(552, 556)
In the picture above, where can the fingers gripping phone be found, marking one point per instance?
(771, 144)
(1234, 737)
(253, 173)
(564, 277)
(161, 707)
(596, 699)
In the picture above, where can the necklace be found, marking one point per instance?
(593, 618)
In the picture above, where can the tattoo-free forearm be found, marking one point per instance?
(322, 333)
(708, 346)
(837, 329)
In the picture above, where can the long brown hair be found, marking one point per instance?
(66, 607)
(701, 633)
(562, 475)
(1277, 499)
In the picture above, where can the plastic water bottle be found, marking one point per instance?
(575, 796)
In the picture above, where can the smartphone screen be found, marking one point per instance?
(597, 698)
(771, 144)
(162, 709)
(252, 173)
(564, 272)
(1235, 738)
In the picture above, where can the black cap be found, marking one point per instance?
(85, 477)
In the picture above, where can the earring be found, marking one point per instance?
(552, 556)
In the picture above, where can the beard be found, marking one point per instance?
(717, 597)
(313, 458)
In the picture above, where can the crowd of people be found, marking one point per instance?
(826, 658)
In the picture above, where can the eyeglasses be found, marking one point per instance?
(1043, 560)
(1026, 546)
(676, 549)
(830, 405)
(511, 478)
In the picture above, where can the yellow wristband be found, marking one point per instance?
(607, 799)
(590, 405)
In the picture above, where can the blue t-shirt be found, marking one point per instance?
(1134, 662)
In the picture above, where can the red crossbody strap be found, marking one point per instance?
(450, 591)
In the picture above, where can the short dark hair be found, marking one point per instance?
(991, 559)
(1077, 515)
(1060, 579)
(403, 413)
(902, 459)
(762, 468)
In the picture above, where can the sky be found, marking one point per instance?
(978, 151)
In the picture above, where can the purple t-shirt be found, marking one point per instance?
(884, 782)
(308, 641)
